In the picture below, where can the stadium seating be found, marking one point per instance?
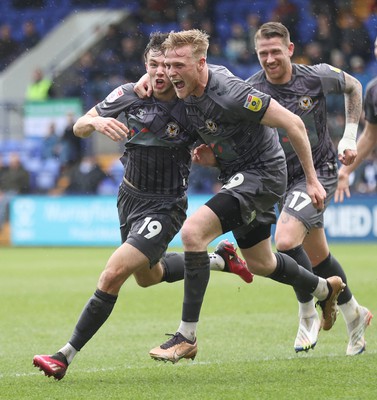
(225, 11)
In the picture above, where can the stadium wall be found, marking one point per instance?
(93, 220)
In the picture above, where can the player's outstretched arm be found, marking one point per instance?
(91, 122)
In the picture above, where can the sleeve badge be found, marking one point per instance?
(115, 94)
(253, 103)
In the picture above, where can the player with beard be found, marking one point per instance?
(300, 228)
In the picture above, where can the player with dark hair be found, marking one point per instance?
(152, 199)
(235, 121)
(300, 228)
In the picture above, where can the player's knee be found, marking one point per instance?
(284, 242)
(144, 282)
(111, 280)
(190, 234)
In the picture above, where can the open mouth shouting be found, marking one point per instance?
(179, 86)
(160, 83)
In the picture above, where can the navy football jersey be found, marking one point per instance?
(157, 151)
(227, 118)
(305, 95)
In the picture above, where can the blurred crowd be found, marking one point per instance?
(338, 32)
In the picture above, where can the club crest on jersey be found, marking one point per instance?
(115, 94)
(253, 103)
(305, 103)
(172, 129)
(140, 113)
(211, 125)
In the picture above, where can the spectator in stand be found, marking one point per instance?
(215, 53)
(110, 46)
(71, 146)
(203, 9)
(40, 88)
(83, 178)
(31, 36)
(338, 60)
(9, 47)
(51, 147)
(14, 180)
(207, 26)
(130, 56)
(355, 40)
(335, 103)
(326, 35)
(186, 23)
(326, 7)
(237, 46)
(80, 79)
(198, 11)
(288, 14)
(157, 11)
(314, 53)
(359, 71)
(253, 21)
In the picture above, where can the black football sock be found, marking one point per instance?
(290, 273)
(94, 314)
(174, 267)
(331, 267)
(196, 281)
(299, 255)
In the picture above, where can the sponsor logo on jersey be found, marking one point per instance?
(115, 94)
(253, 103)
(211, 125)
(134, 131)
(305, 103)
(172, 129)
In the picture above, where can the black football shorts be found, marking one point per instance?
(297, 202)
(149, 222)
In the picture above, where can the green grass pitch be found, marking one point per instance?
(245, 336)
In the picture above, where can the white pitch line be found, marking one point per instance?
(95, 370)
(161, 364)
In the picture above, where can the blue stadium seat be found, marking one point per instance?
(371, 25)
(44, 174)
(32, 146)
